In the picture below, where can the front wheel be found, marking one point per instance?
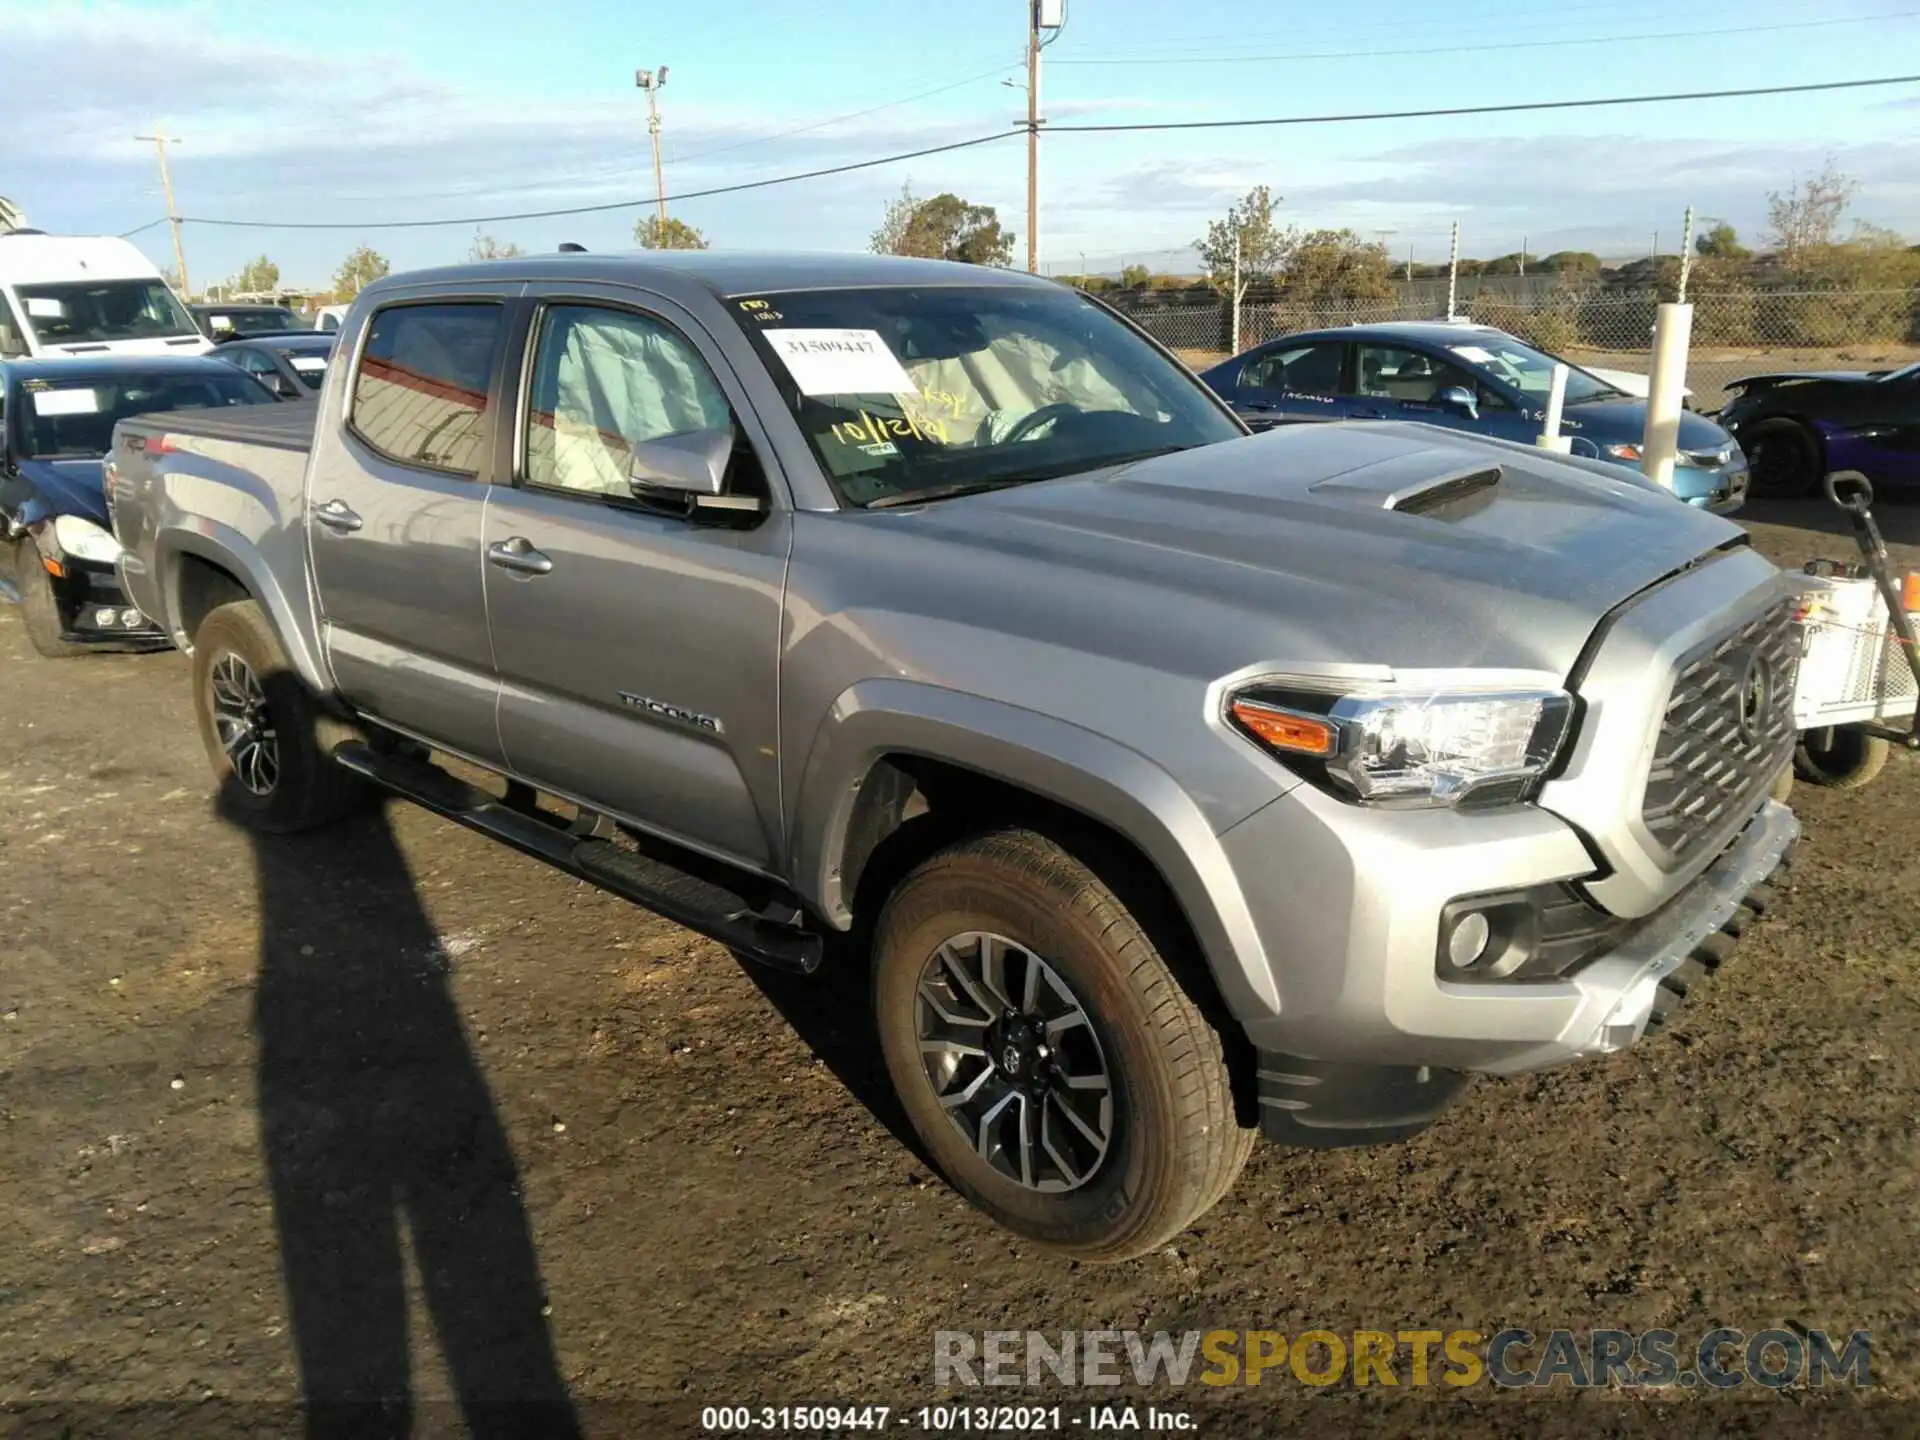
(1783, 459)
(1048, 1057)
(1839, 757)
(264, 732)
(38, 607)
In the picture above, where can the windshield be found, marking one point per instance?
(74, 420)
(908, 391)
(94, 312)
(251, 322)
(1529, 371)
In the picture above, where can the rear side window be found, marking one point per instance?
(420, 396)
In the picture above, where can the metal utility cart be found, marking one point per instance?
(1859, 668)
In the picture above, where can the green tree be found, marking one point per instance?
(485, 247)
(1247, 239)
(672, 233)
(1136, 277)
(257, 276)
(945, 227)
(357, 271)
(1337, 265)
(1720, 241)
(1571, 262)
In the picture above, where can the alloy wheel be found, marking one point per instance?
(242, 721)
(1015, 1061)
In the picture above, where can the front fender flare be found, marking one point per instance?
(1061, 762)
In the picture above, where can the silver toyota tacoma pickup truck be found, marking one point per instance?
(1176, 784)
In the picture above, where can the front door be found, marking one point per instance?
(1398, 382)
(1287, 383)
(637, 644)
(394, 519)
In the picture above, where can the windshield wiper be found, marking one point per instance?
(944, 492)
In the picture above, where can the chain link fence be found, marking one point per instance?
(1735, 333)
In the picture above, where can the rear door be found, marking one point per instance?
(637, 644)
(395, 507)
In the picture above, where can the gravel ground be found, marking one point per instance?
(496, 1137)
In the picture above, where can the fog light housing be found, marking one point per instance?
(132, 619)
(1469, 939)
(103, 619)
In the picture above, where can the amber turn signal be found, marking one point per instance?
(1910, 592)
(1286, 729)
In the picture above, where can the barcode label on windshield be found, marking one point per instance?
(66, 402)
(840, 362)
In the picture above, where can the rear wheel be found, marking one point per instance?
(1784, 459)
(264, 732)
(1839, 758)
(38, 607)
(1047, 1055)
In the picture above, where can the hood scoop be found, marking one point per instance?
(1421, 482)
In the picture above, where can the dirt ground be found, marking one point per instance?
(496, 1137)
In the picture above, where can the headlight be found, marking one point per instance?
(84, 540)
(1625, 451)
(1433, 748)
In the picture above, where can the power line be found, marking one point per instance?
(600, 209)
(1739, 94)
(1743, 92)
(1300, 56)
(142, 229)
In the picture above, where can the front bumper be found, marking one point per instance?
(95, 610)
(1348, 903)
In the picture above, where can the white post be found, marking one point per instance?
(1233, 297)
(1550, 437)
(1672, 330)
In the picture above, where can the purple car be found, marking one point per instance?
(1797, 427)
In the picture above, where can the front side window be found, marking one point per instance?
(1297, 370)
(420, 396)
(1392, 372)
(99, 312)
(65, 420)
(906, 392)
(604, 381)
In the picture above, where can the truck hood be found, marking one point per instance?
(63, 487)
(1781, 377)
(1391, 544)
(159, 345)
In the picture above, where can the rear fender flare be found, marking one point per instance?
(1058, 761)
(224, 547)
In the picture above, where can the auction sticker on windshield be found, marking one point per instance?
(840, 362)
(66, 402)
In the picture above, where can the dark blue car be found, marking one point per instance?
(1466, 377)
(57, 551)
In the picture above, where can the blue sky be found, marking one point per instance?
(369, 110)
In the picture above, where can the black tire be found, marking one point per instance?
(1784, 459)
(1839, 758)
(1175, 1143)
(37, 606)
(304, 788)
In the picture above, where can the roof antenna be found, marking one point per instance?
(567, 247)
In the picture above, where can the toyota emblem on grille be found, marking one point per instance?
(1752, 692)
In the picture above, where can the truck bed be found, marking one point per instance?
(285, 426)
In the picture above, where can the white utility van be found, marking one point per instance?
(87, 295)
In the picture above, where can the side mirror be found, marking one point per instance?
(1459, 399)
(694, 463)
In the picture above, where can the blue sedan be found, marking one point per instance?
(1466, 377)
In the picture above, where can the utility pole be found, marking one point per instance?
(651, 81)
(160, 139)
(1041, 15)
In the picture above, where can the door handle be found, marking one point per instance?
(518, 555)
(1367, 415)
(336, 516)
(1259, 404)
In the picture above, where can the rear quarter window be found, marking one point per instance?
(420, 394)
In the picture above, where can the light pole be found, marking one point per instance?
(651, 81)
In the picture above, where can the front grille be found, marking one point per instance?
(1712, 760)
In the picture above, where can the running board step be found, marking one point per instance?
(684, 888)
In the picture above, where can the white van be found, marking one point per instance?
(87, 295)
